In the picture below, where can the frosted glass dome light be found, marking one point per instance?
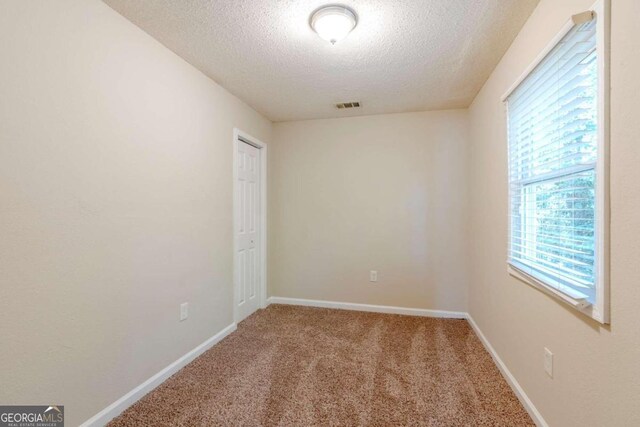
(333, 23)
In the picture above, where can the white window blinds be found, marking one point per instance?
(553, 151)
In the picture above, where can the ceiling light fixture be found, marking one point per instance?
(334, 22)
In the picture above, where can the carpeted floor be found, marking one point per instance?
(299, 366)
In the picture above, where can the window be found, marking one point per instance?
(557, 170)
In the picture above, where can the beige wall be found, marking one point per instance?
(384, 193)
(597, 369)
(115, 204)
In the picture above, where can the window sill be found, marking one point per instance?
(580, 304)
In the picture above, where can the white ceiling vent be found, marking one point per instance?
(342, 105)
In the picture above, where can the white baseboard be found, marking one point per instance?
(511, 380)
(368, 307)
(117, 407)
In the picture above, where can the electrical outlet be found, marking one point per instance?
(548, 362)
(373, 276)
(184, 311)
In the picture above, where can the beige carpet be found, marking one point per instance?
(298, 366)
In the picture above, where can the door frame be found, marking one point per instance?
(238, 136)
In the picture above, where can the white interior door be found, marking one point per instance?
(248, 256)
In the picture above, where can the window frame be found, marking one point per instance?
(599, 310)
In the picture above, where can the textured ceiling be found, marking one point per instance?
(404, 55)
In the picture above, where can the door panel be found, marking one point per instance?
(248, 257)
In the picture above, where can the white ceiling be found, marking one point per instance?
(404, 55)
